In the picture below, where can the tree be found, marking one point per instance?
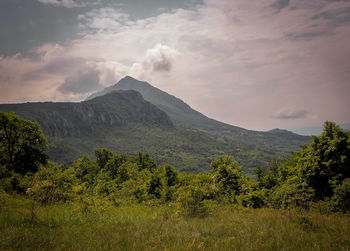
(103, 155)
(227, 175)
(268, 178)
(52, 183)
(171, 175)
(22, 144)
(325, 161)
(85, 170)
(342, 195)
(145, 162)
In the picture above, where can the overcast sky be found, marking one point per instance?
(257, 64)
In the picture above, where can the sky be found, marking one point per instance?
(258, 64)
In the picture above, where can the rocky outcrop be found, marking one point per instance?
(117, 108)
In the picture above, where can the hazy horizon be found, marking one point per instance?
(258, 65)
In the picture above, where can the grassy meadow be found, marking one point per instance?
(26, 225)
(120, 202)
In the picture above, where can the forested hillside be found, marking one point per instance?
(163, 125)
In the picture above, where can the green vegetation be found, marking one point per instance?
(100, 226)
(154, 122)
(129, 202)
(21, 144)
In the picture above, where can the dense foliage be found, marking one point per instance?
(22, 144)
(317, 176)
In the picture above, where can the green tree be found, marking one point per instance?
(22, 144)
(325, 161)
(342, 195)
(114, 163)
(52, 183)
(85, 170)
(227, 175)
(144, 161)
(103, 155)
(269, 178)
(170, 175)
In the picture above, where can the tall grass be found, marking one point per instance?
(146, 227)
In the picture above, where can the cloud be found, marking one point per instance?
(338, 15)
(290, 113)
(160, 58)
(65, 3)
(307, 35)
(83, 81)
(280, 4)
(60, 66)
(102, 20)
(235, 61)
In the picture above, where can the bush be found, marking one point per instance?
(191, 202)
(342, 196)
(292, 193)
(254, 199)
(52, 184)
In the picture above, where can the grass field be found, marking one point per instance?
(144, 227)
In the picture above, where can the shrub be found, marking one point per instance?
(342, 196)
(254, 199)
(52, 184)
(191, 202)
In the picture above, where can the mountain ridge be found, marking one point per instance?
(180, 112)
(133, 116)
(172, 105)
(116, 108)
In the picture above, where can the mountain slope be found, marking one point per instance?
(154, 122)
(183, 115)
(121, 121)
(116, 108)
(178, 111)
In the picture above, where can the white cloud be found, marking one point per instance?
(235, 61)
(160, 58)
(65, 3)
(103, 20)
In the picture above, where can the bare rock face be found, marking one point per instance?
(117, 108)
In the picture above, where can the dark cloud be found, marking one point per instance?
(58, 66)
(308, 35)
(280, 4)
(287, 113)
(83, 81)
(62, 65)
(25, 25)
(339, 16)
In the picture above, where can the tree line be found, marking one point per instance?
(317, 176)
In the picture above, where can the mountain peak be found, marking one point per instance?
(127, 77)
(278, 130)
(130, 82)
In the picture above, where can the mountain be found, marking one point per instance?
(180, 112)
(133, 116)
(116, 108)
(286, 134)
(317, 130)
(183, 115)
